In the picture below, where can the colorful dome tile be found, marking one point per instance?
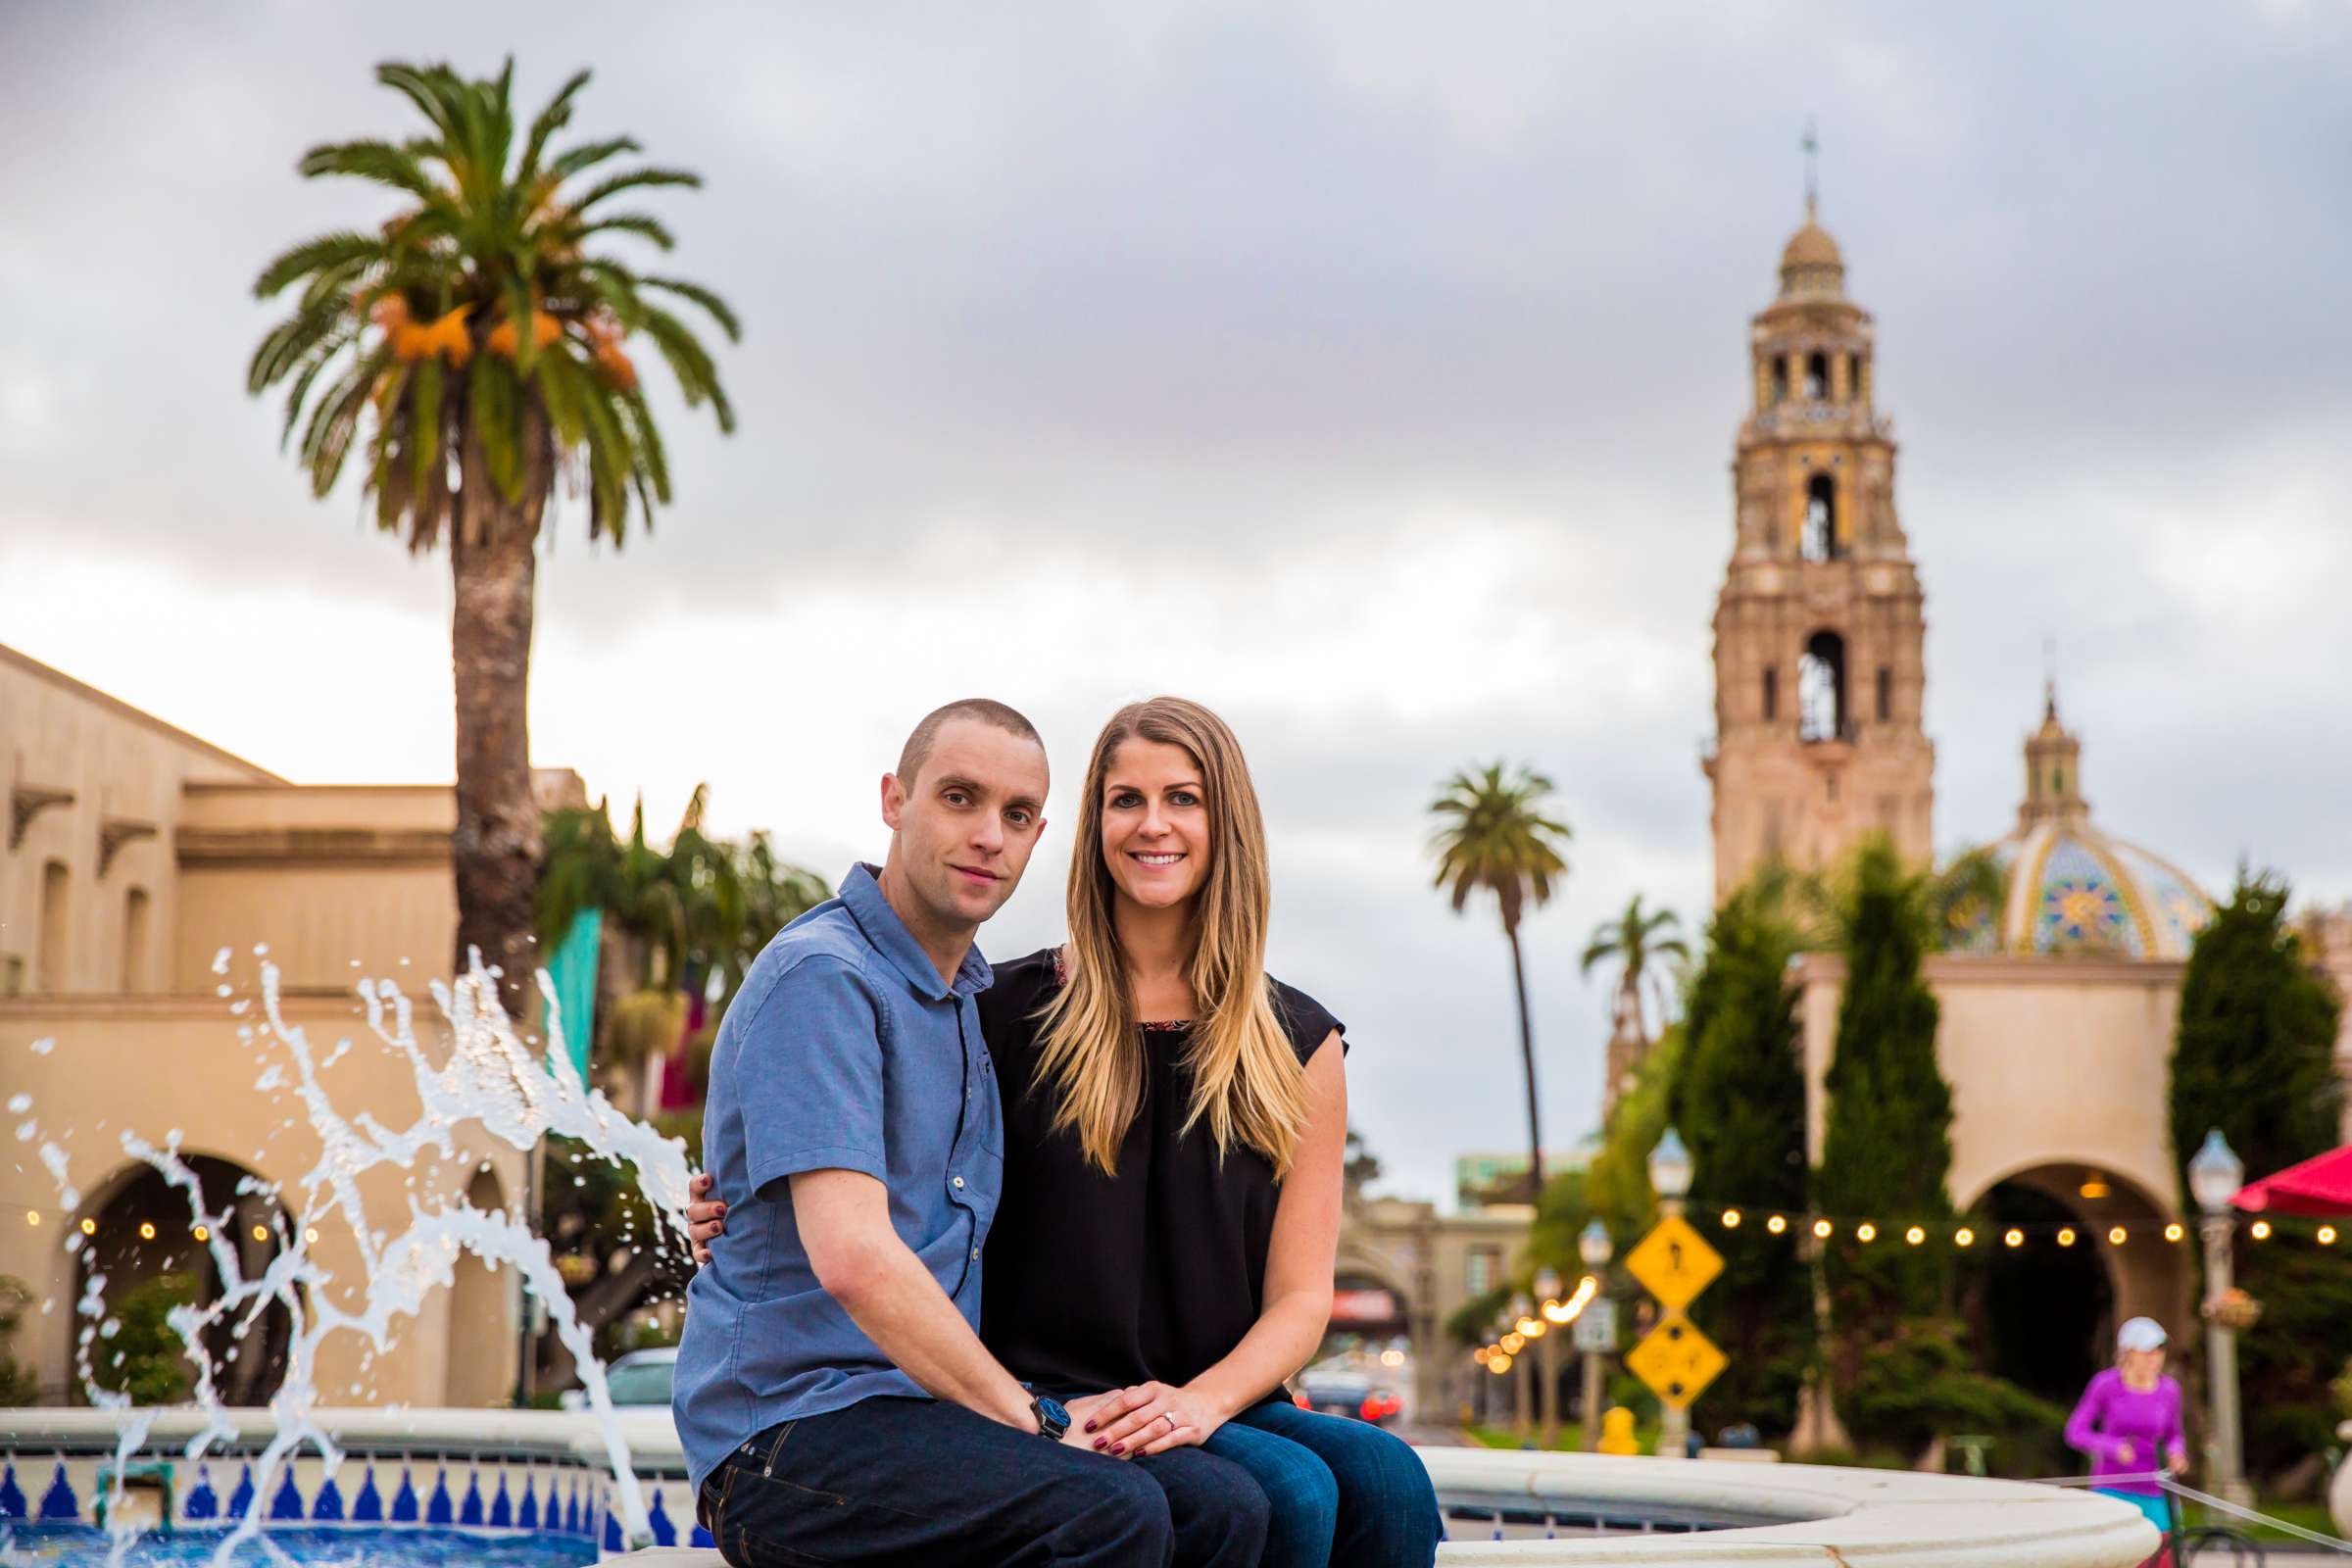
(2074, 891)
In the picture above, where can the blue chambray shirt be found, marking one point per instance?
(842, 1051)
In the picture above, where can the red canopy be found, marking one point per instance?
(2319, 1186)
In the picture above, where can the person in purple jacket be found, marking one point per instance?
(2129, 1421)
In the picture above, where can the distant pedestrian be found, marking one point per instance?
(2129, 1422)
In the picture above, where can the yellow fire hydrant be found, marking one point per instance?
(1617, 1430)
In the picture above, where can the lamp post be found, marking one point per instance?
(1595, 1249)
(2215, 1175)
(1523, 1415)
(1670, 1179)
(1547, 1292)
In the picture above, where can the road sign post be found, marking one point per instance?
(1675, 1264)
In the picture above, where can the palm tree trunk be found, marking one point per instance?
(496, 851)
(1527, 1051)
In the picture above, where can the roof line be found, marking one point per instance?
(58, 677)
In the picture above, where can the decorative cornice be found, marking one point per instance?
(223, 847)
(26, 801)
(112, 834)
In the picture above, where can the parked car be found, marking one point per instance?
(1347, 1394)
(641, 1376)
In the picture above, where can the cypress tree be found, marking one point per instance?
(1741, 1107)
(2254, 1056)
(1888, 1147)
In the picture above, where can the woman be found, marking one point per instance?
(1175, 1122)
(2129, 1422)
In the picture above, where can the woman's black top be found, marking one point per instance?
(1097, 1282)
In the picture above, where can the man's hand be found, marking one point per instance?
(1158, 1417)
(706, 1216)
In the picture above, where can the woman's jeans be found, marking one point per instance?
(1339, 1493)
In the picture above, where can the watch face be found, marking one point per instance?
(1052, 1410)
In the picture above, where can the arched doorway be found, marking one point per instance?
(154, 1247)
(2044, 1312)
(1367, 1349)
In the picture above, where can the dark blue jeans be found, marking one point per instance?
(1340, 1492)
(923, 1482)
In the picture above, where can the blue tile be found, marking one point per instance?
(527, 1517)
(203, 1501)
(572, 1523)
(439, 1510)
(12, 1496)
(471, 1515)
(327, 1507)
(404, 1502)
(613, 1541)
(664, 1533)
(287, 1505)
(502, 1508)
(58, 1502)
(240, 1501)
(699, 1538)
(369, 1507)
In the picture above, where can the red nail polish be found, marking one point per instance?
(1089, 1426)
(1118, 1447)
(1098, 1442)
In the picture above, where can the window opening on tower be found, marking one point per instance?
(1885, 695)
(1817, 377)
(1818, 541)
(1779, 379)
(1772, 693)
(1821, 689)
(1853, 378)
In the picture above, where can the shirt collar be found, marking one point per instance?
(862, 895)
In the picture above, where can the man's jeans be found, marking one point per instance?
(923, 1482)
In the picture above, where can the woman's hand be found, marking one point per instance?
(1090, 1411)
(2178, 1455)
(706, 1216)
(2124, 1451)
(1157, 1418)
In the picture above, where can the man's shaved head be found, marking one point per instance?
(984, 709)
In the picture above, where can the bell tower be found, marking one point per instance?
(1819, 670)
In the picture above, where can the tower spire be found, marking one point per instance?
(1812, 148)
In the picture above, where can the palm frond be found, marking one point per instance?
(377, 161)
(613, 184)
(711, 305)
(551, 118)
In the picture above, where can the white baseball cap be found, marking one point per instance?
(2139, 1334)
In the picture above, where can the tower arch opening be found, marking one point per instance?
(1780, 378)
(1817, 377)
(1821, 689)
(1818, 539)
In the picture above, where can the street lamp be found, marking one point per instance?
(1670, 1172)
(1670, 1179)
(1548, 1357)
(1592, 1245)
(2215, 1175)
(1523, 1415)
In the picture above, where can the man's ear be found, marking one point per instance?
(894, 800)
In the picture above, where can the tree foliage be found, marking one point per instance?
(2253, 1055)
(145, 1358)
(1493, 836)
(474, 343)
(1739, 1105)
(1637, 939)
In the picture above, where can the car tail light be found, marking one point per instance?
(1302, 1402)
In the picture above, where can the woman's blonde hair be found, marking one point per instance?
(1247, 1080)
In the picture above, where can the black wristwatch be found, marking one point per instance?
(1053, 1421)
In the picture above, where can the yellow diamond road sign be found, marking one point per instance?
(1676, 1360)
(1674, 1262)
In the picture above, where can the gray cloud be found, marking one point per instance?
(1099, 309)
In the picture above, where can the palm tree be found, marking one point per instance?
(1635, 939)
(1492, 834)
(470, 348)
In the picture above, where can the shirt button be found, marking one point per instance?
(975, 1254)
(956, 1182)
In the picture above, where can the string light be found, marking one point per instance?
(1731, 1219)
(1482, 1354)
(1775, 1224)
(2261, 1231)
(1499, 1362)
(1915, 1235)
(89, 1227)
(2015, 1237)
(204, 1233)
(2173, 1231)
(146, 1230)
(1822, 1229)
(1964, 1235)
(2326, 1235)
(2115, 1237)
(261, 1233)
(33, 1216)
(311, 1235)
(2066, 1236)
(1512, 1345)
(1866, 1233)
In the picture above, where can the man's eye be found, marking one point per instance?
(956, 798)
(1019, 819)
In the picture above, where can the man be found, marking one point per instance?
(832, 1393)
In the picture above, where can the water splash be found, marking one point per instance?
(491, 1080)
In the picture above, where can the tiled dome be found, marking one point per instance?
(1810, 262)
(2072, 889)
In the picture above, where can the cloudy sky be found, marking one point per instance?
(1368, 372)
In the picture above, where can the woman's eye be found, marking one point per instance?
(1125, 799)
(1185, 797)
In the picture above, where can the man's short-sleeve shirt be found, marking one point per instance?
(843, 1050)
